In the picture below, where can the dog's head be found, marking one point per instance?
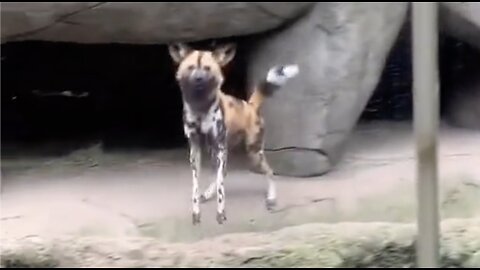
(199, 73)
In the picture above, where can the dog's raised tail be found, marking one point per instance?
(277, 77)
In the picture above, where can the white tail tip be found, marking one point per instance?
(291, 70)
(279, 75)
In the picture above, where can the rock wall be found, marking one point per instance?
(341, 49)
(141, 23)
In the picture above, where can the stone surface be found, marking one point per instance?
(341, 49)
(109, 22)
(105, 193)
(462, 20)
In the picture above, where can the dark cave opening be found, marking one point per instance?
(126, 95)
(459, 68)
(123, 95)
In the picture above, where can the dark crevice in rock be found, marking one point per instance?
(71, 23)
(268, 12)
(324, 29)
(285, 20)
(296, 148)
(61, 19)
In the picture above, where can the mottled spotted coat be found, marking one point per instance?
(215, 120)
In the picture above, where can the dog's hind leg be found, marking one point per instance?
(208, 194)
(255, 146)
(259, 162)
(221, 164)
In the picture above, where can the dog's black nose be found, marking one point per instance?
(198, 79)
(198, 76)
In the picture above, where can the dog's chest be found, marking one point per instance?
(210, 123)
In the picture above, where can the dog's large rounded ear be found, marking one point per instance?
(178, 51)
(224, 54)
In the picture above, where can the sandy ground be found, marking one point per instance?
(90, 193)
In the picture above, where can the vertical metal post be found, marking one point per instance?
(426, 118)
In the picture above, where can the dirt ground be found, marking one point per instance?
(139, 193)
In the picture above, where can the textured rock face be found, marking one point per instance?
(140, 23)
(462, 20)
(341, 49)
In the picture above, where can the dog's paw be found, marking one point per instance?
(195, 218)
(221, 217)
(203, 199)
(270, 204)
(279, 75)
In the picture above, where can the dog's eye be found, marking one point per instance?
(206, 68)
(191, 67)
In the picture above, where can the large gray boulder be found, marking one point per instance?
(141, 23)
(462, 20)
(341, 49)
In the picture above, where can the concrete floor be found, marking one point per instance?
(140, 193)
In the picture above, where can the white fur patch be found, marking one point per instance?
(190, 119)
(279, 75)
(210, 120)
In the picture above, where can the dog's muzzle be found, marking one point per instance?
(201, 82)
(198, 86)
(199, 77)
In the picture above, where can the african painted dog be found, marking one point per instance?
(216, 120)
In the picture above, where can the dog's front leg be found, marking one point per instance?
(221, 162)
(195, 163)
(218, 145)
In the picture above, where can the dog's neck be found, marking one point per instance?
(200, 105)
(200, 109)
(199, 99)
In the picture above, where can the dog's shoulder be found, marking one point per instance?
(231, 103)
(238, 113)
